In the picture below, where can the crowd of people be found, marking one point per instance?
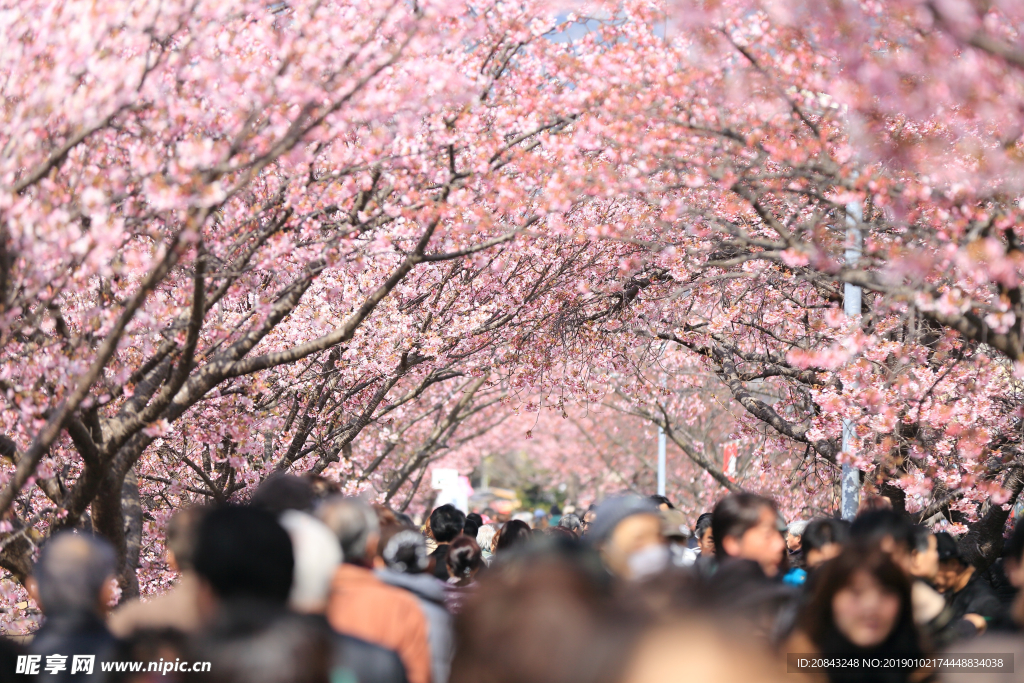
(297, 586)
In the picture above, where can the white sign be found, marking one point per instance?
(441, 478)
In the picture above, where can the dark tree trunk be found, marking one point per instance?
(983, 543)
(132, 506)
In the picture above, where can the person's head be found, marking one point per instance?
(572, 523)
(513, 534)
(1013, 555)
(541, 618)
(705, 650)
(951, 564)
(473, 523)
(245, 553)
(861, 601)
(1013, 564)
(662, 502)
(280, 492)
(464, 558)
(317, 556)
(588, 517)
(924, 556)
(823, 539)
(355, 525)
(385, 515)
(889, 530)
(627, 533)
(446, 522)
(181, 535)
(74, 575)
(871, 503)
(404, 550)
(705, 537)
(745, 526)
(673, 526)
(794, 534)
(485, 536)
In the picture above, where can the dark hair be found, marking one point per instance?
(446, 522)
(245, 553)
(822, 532)
(875, 525)
(1014, 547)
(280, 492)
(182, 534)
(735, 515)
(464, 556)
(921, 534)
(473, 524)
(405, 520)
(662, 500)
(948, 549)
(572, 523)
(702, 525)
(515, 533)
(818, 623)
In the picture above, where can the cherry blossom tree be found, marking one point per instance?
(234, 238)
(738, 146)
(351, 239)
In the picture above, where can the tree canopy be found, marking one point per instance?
(350, 238)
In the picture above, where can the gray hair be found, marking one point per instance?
(353, 522)
(485, 536)
(406, 552)
(797, 528)
(71, 572)
(571, 522)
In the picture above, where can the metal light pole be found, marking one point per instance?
(661, 461)
(661, 434)
(850, 483)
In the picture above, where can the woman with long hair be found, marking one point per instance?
(514, 534)
(860, 609)
(464, 561)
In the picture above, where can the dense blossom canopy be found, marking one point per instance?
(350, 238)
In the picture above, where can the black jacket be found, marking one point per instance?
(79, 633)
(368, 662)
(977, 597)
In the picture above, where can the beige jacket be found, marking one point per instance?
(177, 608)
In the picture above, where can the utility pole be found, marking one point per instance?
(850, 482)
(661, 435)
(661, 461)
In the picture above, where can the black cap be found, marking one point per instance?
(947, 547)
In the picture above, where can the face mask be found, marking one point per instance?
(648, 561)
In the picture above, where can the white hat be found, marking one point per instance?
(317, 556)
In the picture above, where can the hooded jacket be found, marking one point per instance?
(431, 596)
